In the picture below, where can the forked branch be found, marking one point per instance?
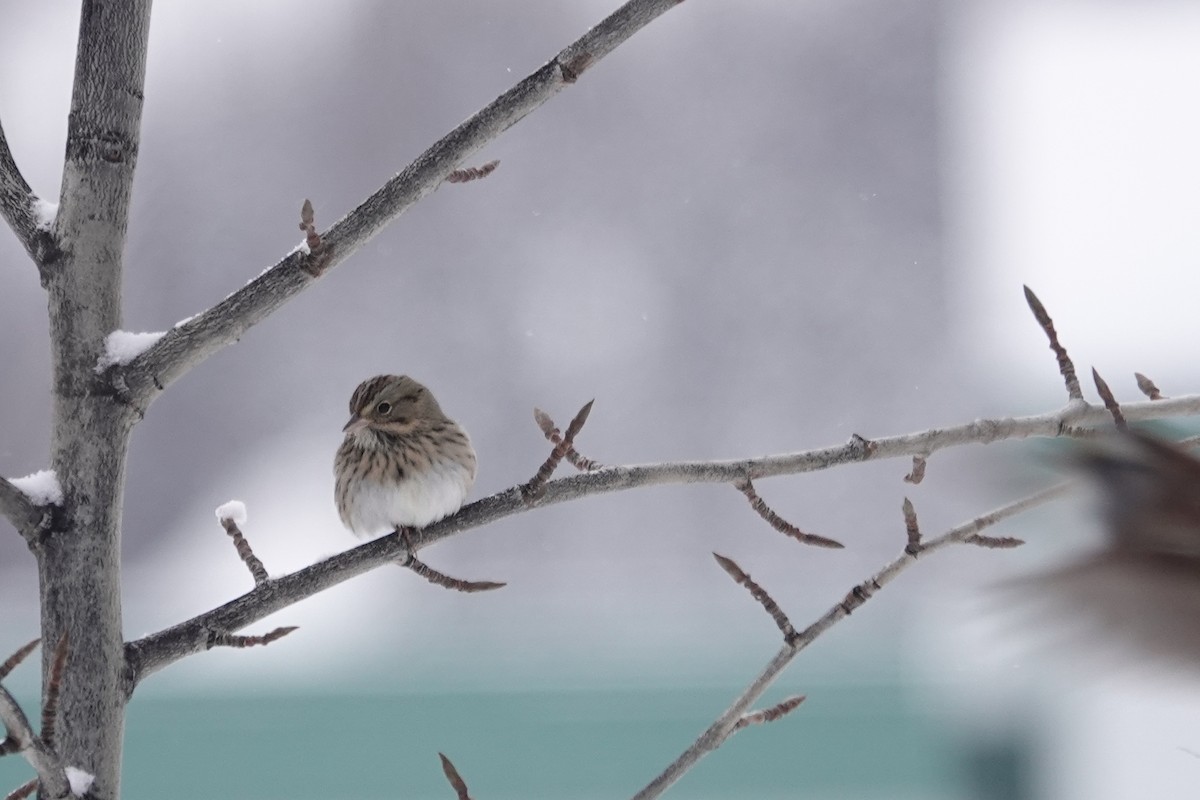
(731, 720)
(153, 652)
(19, 736)
(185, 346)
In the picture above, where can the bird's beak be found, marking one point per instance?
(355, 425)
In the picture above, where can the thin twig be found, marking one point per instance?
(53, 688)
(155, 651)
(746, 487)
(441, 579)
(16, 506)
(188, 345)
(17, 203)
(233, 640)
(1147, 387)
(16, 658)
(760, 594)
(911, 528)
(917, 473)
(456, 781)
(464, 174)
(21, 738)
(536, 487)
(769, 714)
(308, 218)
(1065, 366)
(23, 791)
(552, 433)
(1110, 402)
(723, 727)
(994, 542)
(245, 552)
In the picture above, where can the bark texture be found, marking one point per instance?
(79, 563)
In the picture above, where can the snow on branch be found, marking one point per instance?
(186, 346)
(19, 509)
(30, 217)
(121, 347)
(231, 515)
(42, 487)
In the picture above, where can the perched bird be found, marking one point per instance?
(1142, 588)
(403, 463)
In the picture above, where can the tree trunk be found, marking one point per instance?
(79, 559)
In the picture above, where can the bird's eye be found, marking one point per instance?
(384, 408)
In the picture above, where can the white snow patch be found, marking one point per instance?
(302, 248)
(44, 212)
(80, 781)
(184, 321)
(121, 347)
(42, 487)
(234, 510)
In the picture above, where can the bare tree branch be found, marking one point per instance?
(1110, 400)
(53, 687)
(456, 781)
(23, 210)
(533, 489)
(1066, 367)
(235, 641)
(151, 653)
(472, 173)
(244, 551)
(187, 345)
(777, 522)
(775, 712)
(18, 509)
(1147, 386)
(23, 791)
(728, 722)
(445, 581)
(760, 594)
(21, 738)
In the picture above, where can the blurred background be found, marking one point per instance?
(754, 228)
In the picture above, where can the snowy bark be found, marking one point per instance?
(79, 557)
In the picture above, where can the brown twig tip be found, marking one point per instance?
(1147, 387)
(441, 579)
(994, 542)
(308, 225)
(53, 688)
(759, 594)
(769, 714)
(23, 791)
(244, 551)
(17, 657)
(536, 486)
(465, 174)
(1110, 402)
(746, 487)
(1066, 367)
(911, 528)
(456, 781)
(234, 640)
(918, 471)
(554, 435)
